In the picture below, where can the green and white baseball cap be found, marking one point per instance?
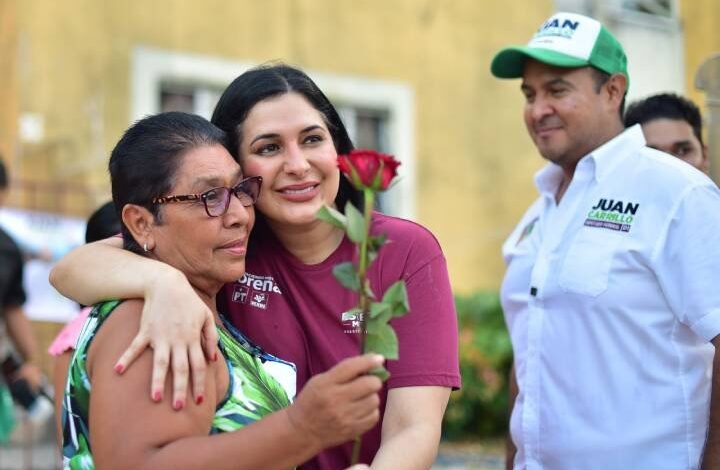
(565, 40)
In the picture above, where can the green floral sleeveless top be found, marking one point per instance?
(260, 384)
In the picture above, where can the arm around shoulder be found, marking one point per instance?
(104, 270)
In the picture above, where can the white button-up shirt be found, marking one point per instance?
(611, 298)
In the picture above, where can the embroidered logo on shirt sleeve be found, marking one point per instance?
(527, 230)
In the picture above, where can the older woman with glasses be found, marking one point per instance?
(183, 201)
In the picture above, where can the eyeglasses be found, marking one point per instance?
(217, 200)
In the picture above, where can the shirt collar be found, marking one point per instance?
(611, 153)
(548, 178)
(599, 163)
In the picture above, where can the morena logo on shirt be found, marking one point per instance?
(352, 321)
(613, 215)
(254, 290)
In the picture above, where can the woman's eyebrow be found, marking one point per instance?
(273, 135)
(311, 128)
(269, 135)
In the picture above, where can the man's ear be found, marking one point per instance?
(616, 86)
(140, 222)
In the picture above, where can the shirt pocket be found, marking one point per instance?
(586, 267)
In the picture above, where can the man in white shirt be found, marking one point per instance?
(612, 291)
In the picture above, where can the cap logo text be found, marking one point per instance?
(553, 27)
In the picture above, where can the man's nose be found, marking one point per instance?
(540, 108)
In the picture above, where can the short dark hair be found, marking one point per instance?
(103, 223)
(271, 80)
(601, 77)
(4, 180)
(144, 162)
(668, 106)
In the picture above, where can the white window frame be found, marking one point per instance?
(150, 67)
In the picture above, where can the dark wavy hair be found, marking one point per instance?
(144, 162)
(668, 106)
(271, 80)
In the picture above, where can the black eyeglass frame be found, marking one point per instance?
(243, 187)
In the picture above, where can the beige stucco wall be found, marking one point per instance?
(474, 159)
(8, 80)
(702, 39)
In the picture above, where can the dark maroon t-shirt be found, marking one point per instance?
(295, 311)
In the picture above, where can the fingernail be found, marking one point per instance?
(199, 400)
(157, 396)
(178, 404)
(119, 368)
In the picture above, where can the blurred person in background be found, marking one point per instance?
(21, 373)
(183, 200)
(282, 127)
(671, 124)
(103, 223)
(611, 290)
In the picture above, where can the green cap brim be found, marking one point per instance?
(510, 62)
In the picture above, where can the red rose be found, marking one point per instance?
(368, 168)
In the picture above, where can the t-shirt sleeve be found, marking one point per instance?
(428, 334)
(687, 261)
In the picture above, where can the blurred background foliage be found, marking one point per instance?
(480, 407)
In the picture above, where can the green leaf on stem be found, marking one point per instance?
(347, 275)
(381, 372)
(379, 308)
(356, 229)
(384, 341)
(374, 243)
(376, 325)
(397, 299)
(332, 216)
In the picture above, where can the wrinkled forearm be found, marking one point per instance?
(104, 270)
